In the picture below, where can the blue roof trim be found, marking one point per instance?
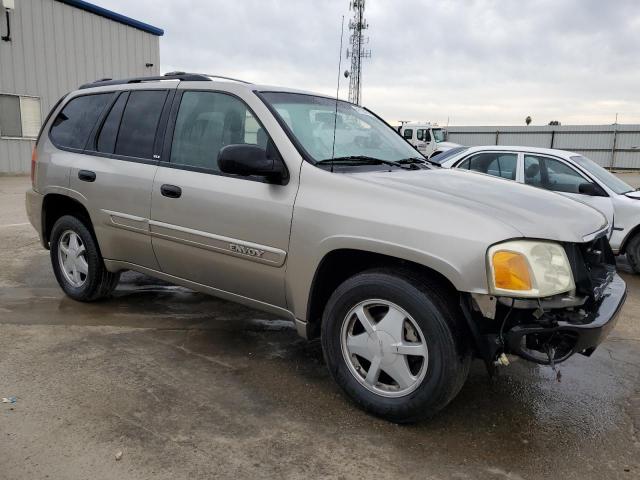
(116, 17)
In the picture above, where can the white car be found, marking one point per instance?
(567, 173)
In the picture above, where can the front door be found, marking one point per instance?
(424, 141)
(555, 175)
(223, 231)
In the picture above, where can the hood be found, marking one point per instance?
(534, 212)
(447, 145)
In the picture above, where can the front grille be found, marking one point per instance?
(593, 265)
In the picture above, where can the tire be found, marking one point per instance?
(633, 252)
(97, 283)
(425, 304)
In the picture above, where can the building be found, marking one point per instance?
(50, 47)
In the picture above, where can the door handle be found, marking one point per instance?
(87, 175)
(170, 191)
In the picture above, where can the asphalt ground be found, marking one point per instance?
(183, 385)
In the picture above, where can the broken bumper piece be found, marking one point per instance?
(553, 339)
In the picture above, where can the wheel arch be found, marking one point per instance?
(56, 205)
(623, 246)
(339, 264)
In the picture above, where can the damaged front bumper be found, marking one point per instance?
(556, 336)
(544, 335)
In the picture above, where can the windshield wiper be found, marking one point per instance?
(414, 160)
(361, 159)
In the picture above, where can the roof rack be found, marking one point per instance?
(182, 76)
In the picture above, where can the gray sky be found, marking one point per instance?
(478, 62)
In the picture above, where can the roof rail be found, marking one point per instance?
(227, 78)
(182, 76)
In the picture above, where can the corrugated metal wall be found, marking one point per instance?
(54, 49)
(613, 146)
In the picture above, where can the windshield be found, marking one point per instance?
(606, 177)
(358, 133)
(446, 155)
(438, 134)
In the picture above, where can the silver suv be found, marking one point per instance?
(318, 211)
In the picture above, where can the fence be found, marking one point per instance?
(612, 146)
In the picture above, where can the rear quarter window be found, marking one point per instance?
(73, 125)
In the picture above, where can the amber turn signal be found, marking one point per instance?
(511, 271)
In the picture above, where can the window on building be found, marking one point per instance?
(208, 121)
(19, 116)
(140, 119)
(74, 123)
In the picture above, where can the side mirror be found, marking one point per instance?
(250, 160)
(591, 189)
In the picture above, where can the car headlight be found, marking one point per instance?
(528, 268)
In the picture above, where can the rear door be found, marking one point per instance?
(558, 176)
(224, 231)
(115, 173)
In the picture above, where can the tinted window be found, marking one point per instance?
(420, 134)
(497, 164)
(427, 135)
(532, 171)
(208, 121)
(74, 123)
(408, 133)
(139, 123)
(109, 132)
(561, 177)
(551, 174)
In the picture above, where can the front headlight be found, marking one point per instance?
(528, 268)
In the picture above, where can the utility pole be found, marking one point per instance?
(357, 52)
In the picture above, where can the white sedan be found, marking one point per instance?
(567, 173)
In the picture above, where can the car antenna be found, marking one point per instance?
(335, 115)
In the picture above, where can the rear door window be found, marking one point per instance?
(74, 123)
(140, 119)
(498, 164)
(408, 133)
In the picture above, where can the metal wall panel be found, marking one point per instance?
(55, 48)
(593, 141)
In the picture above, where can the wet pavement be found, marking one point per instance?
(188, 386)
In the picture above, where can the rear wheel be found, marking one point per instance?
(633, 252)
(77, 263)
(392, 344)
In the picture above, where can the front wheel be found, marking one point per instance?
(392, 343)
(633, 252)
(77, 263)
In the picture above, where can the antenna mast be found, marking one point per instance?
(357, 24)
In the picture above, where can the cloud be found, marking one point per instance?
(480, 62)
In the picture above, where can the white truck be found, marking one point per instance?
(428, 138)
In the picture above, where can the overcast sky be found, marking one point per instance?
(476, 62)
